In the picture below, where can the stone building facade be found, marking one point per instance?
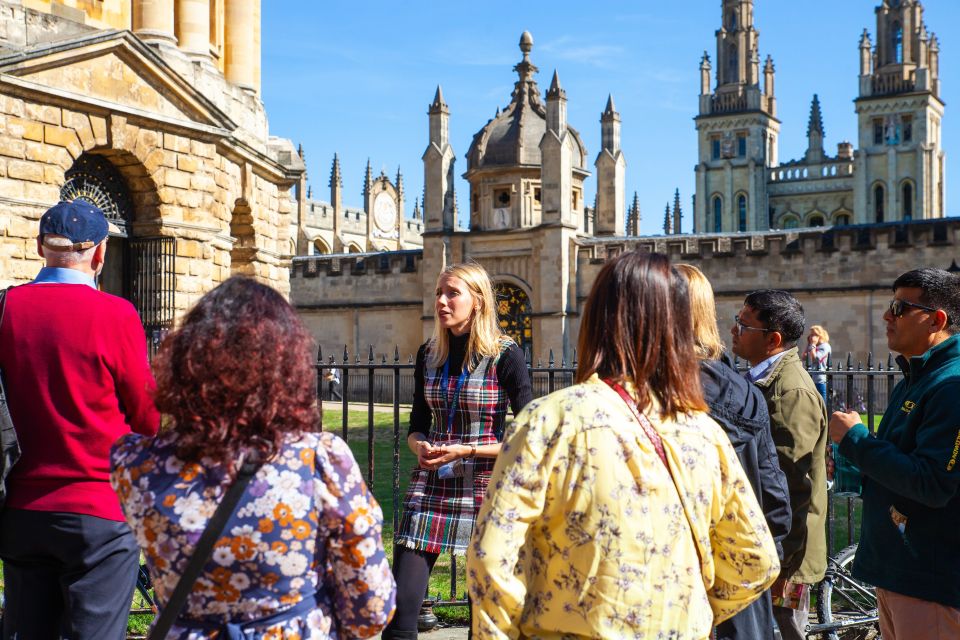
(543, 247)
(893, 171)
(380, 225)
(150, 109)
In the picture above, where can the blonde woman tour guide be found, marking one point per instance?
(465, 376)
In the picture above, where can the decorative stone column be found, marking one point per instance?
(193, 27)
(153, 20)
(242, 43)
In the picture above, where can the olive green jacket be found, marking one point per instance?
(798, 420)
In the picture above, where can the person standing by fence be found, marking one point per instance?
(465, 376)
(910, 541)
(618, 508)
(817, 354)
(740, 409)
(77, 378)
(765, 333)
(301, 554)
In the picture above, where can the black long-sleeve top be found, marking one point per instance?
(512, 374)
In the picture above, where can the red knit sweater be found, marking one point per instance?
(74, 363)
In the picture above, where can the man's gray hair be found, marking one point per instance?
(58, 256)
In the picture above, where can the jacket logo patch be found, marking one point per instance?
(954, 454)
(908, 406)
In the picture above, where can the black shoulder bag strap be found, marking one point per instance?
(202, 551)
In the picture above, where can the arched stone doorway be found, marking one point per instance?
(138, 268)
(513, 312)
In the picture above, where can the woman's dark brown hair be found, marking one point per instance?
(636, 326)
(237, 375)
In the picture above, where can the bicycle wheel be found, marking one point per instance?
(844, 601)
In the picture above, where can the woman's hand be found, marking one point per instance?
(441, 455)
(425, 454)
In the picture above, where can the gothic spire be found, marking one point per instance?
(633, 224)
(610, 110)
(667, 227)
(815, 125)
(368, 179)
(677, 212)
(416, 209)
(555, 90)
(336, 180)
(399, 181)
(438, 104)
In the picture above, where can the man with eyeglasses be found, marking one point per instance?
(910, 536)
(765, 333)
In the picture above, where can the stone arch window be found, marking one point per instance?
(354, 248)
(94, 179)
(790, 221)
(906, 200)
(817, 220)
(513, 312)
(733, 64)
(741, 212)
(841, 219)
(717, 214)
(878, 198)
(320, 247)
(897, 42)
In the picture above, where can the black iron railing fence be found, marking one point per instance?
(374, 385)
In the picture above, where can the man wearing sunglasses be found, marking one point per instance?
(910, 536)
(765, 333)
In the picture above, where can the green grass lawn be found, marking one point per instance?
(382, 487)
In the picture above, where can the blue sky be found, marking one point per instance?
(356, 78)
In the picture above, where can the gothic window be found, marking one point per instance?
(513, 312)
(897, 43)
(717, 214)
(791, 222)
(741, 145)
(816, 221)
(842, 219)
(907, 128)
(877, 131)
(878, 203)
(536, 195)
(741, 212)
(715, 148)
(733, 64)
(907, 193)
(732, 21)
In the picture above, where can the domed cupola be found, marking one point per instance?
(512, 138)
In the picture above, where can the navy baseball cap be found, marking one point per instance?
(77, 220)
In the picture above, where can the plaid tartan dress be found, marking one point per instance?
(438, 513)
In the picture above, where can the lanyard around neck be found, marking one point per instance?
(445, 385)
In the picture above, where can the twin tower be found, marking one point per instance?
(526, 167)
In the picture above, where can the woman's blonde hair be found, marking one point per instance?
(703, 310)
(485, 333)
(820, 332)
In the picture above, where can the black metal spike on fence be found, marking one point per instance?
(870, 361)
(574, 358)
(849, 361)
(370, 355)
(889, 360)
(563, 360)
(396, 353)
(320, 354)
(551, 361)
(829, 361)
(383, 358)
(346, 355)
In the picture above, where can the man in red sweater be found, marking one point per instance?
(74, 362)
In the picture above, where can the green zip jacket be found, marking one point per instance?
(798, 422)
(910, 538)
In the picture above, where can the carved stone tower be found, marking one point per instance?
(900, 161)
(737, 129)
(438, 176)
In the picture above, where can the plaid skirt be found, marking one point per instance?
(438, 514)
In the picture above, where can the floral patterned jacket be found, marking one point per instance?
(584, 535)
(306, 527)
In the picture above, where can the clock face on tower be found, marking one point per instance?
(385, 212)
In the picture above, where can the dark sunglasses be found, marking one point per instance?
(898, 307)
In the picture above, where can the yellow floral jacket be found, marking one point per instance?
(584, 535)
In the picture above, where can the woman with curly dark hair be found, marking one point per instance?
(301, 555)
